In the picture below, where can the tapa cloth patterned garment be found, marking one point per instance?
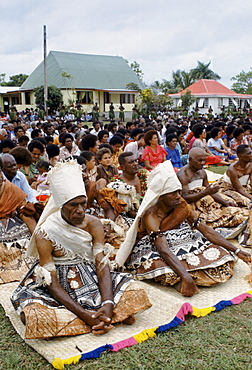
(194, 251)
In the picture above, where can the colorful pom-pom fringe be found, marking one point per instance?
(185, 309)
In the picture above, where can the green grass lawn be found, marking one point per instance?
(219, 341)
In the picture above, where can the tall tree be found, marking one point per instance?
(187, 99)
(203, 71)
(54, 97)
(243, 82)
(17, 80)
(181, 79)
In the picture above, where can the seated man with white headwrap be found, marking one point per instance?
(70, 289)
(163, 245)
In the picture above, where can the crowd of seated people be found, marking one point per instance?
(141, 182)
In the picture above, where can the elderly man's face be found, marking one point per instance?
(173, 199)
(131, 165)
(197, 161)
(4, 135)
(73, 211)
(10, 166)
(246, 156)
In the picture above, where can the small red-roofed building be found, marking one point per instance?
(211, 93)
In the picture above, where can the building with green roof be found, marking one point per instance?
(85, 79)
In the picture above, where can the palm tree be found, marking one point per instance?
(203, 71)
(182, 79)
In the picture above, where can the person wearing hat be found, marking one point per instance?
(70, 289)
(169, 244)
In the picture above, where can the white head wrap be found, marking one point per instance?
(66, 183)
(162, 180)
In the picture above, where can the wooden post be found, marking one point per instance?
(45, 74)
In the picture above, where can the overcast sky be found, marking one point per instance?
(161, 35)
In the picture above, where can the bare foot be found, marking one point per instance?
(130, 320)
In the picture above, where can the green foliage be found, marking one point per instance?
(182, 79)
(243, 84)
(203, 71)
(133, 86)
(147, 96)
(2, 78)
(187, 99)
(54, 97)
(136, 68)
(16, 80)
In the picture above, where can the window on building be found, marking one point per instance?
(230, 103)
(127, 98)
(200, 102)
(220, 102)
(27, 98)
(15, 100)
(106, 98)
(206, 103)
(86, 97)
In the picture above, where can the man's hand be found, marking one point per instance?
(229, 204)
(188, 286)
(246, 257)
(212, 189)
(104, 315)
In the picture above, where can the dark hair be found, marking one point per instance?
(119, 134)
(101, 153)
(89, 141)
(108, 146)
(95, 123)
(23, 138)
(148, 136)
(80, 160)
(48, 139)
(42, 140)
(87, 155)
(35, 132)
(214, 132)
(230, 129)
(1, 164)
(246, 127)
(102, 133)
(22, 155)
(60, 127)
(171, 130)
(18, 128)
(122, 131)
(136, 131)
(43, 164)
(198, 131)
(36, 144)
(66, 136)
(128, 124)
(52, 150)
(122, 156)
(74, 127)
(48, 125)
(116, 140)
(238, 131)
(170, 137)
(241, 149)
(7, 143)
(68, 125)
(111, 125)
